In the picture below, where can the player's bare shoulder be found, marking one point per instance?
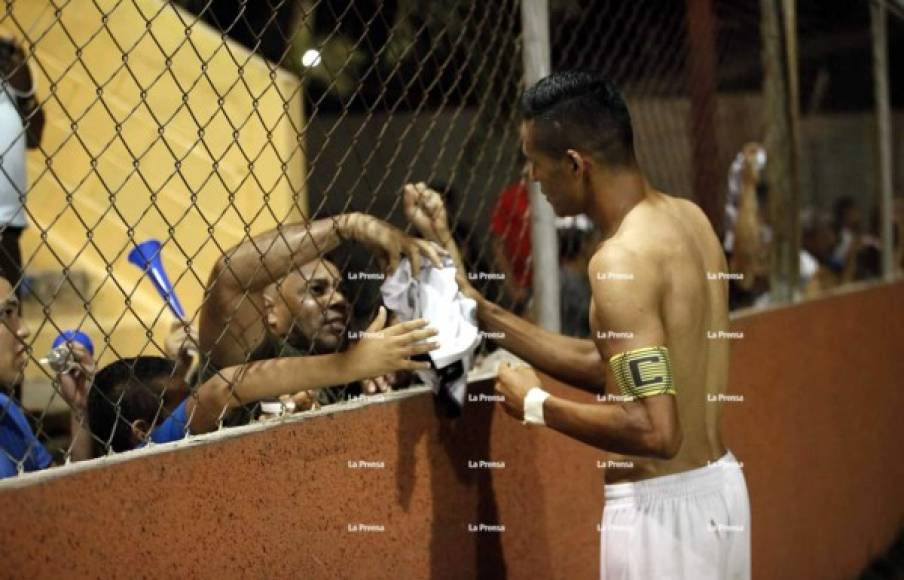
(702, 227)
(620, 259)
(624, 279)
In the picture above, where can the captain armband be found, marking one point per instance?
(645, 372)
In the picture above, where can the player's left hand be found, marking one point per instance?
(513, 383)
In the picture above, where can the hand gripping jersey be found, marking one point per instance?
(433, 295)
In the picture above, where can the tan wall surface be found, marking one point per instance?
(172, 118)
(818, 433)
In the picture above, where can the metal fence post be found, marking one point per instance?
(782, 140)
(878, 21)
(544, 247)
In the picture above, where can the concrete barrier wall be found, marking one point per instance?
(818, 432)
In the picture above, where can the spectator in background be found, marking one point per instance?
(511, 241)
(747, 233)
(817, 271)
(125, 408)
(748, 238)
(848, 229)
(20, 450)
(577, 242)
(868, 255)
(21, 127)
(867, 251)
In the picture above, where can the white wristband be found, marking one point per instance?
(533, 406)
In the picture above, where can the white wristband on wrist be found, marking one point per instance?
(533, 406)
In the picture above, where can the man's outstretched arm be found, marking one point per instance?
(571, 360)
(382, 351)
(247, 268)
(647, 426)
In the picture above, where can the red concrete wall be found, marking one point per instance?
(820, 431)
(817, 432)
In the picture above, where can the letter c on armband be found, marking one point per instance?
(644, 372)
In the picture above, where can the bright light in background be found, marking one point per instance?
(310, 58)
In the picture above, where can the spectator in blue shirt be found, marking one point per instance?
(129, 397)
(20, 450)
(18, 445)
(126, 406)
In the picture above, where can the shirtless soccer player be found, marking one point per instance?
(677, 506)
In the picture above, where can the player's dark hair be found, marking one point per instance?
(123, 392)
(583, 111)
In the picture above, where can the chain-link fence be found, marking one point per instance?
(705, 78)
(255, 154)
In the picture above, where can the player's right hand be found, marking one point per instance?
(381, 350)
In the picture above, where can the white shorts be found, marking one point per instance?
(693, 525)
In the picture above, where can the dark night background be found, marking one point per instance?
(833, 36)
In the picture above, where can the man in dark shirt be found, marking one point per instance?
(276, 295)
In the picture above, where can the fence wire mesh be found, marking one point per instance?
(709, 85)
(255, 154)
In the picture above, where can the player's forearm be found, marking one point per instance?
(613, 427)
(571, 360)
